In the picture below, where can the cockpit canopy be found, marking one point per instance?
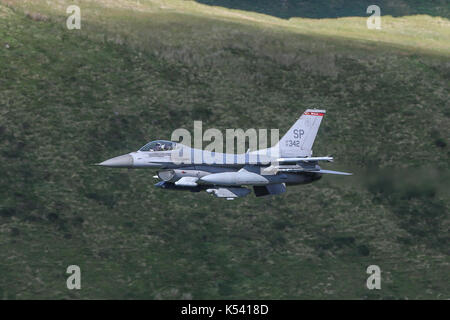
(159, 145)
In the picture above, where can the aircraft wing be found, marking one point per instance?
(306, 159)
(309, 169)
(334, 172)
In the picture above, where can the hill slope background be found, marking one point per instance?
(138, 70)
(335, 8)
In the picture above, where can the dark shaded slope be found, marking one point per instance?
(336, 8)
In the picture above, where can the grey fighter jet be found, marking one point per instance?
(225, 175)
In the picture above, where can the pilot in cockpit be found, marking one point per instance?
(158, 147)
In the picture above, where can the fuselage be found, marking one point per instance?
(211, 169)
(228, 175)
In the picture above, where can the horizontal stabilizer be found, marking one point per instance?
(330, 159)
(334, 172)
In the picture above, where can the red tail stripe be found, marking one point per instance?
(314, 114)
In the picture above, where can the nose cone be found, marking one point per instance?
(125, 161)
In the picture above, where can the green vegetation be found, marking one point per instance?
(138, 70)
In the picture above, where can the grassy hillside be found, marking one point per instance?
(138, 70)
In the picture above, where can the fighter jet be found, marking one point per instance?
(229, 176)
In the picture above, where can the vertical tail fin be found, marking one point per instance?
(299, 139)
